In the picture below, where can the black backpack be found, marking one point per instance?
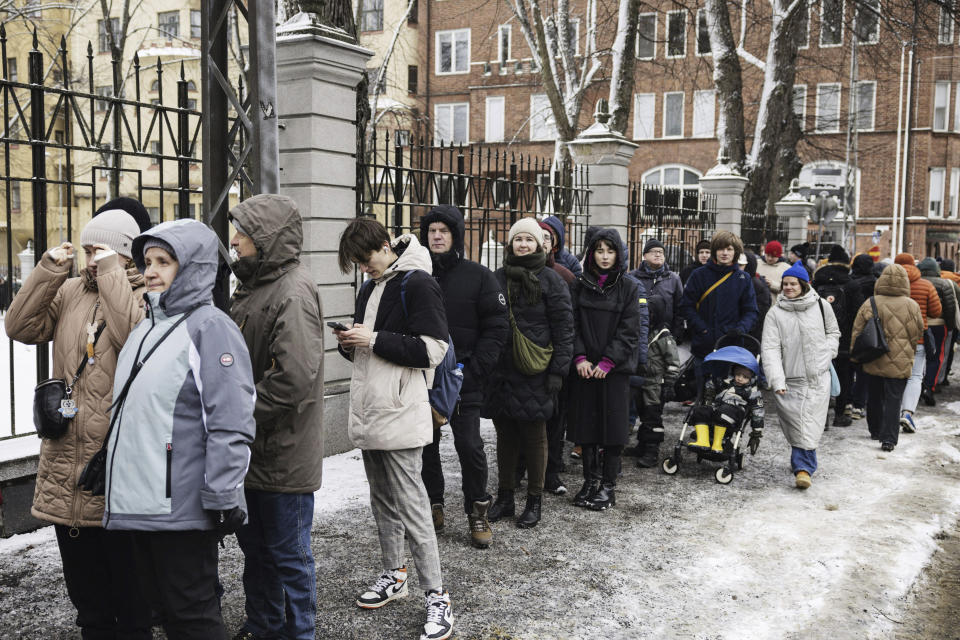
(834, 293)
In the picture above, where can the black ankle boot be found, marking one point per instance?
(585, 495)
(503, 506)
(604, 498)
(648, 456)
(531, 513)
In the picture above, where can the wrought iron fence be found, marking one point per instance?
(679, 218)
(493, 187)
(757, 229)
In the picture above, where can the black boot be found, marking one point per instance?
(531, 513)
(605, 497)
(927, 396)
(648, 457)
(591, 476)
(583, 497)
(840, 419)
(503, 506)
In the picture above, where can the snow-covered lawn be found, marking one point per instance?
(24, 373)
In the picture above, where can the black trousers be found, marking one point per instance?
(101, 585)
(556, 430)
(599, 466)
(845, 373)
(178, 573)
(465, 426)
(883, 407)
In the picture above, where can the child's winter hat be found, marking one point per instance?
(527, 225)
(115, 228)
(798, 272)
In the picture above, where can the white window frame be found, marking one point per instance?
(547, 120)
(839, 92)
(843, 9)
(873, 106)
(667, 112)
(860, 7)
(806, 41)
(666, 33)
(504, 57)
(696, 38)
(954, 190)
(452, 107)
(956, 109)
(945, 36)
(945, 106)
(700, 96)
(490, 130)
(661, 170)
(942, 172)
(452, 33)
(652, 117)
(802, 115)
(653, 42)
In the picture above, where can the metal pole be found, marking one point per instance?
(214, 54)
(262, 79)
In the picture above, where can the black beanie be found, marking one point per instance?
(703, 245)
(947, 265)
(131, 206)
(652, 244)
(837, 254)
(800, 250)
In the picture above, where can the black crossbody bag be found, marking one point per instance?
(53, 405)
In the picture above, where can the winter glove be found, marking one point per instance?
(554, 383)
(227, 521)
(754, 442)
(667, 393)
(106, 260)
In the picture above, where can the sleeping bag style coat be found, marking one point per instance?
(180, 444)
(611, 322)
(731, 306)
(389, 407)
(799, 341)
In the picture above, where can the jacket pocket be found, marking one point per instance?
(169, 481)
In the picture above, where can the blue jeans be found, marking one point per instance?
(278, 571)
(803, 460)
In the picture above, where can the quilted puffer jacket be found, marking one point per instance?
(946, 289)
(924, 294)
(902, 324)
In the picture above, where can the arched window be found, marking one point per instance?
(191, 85)
(673, 175)
(155, 85)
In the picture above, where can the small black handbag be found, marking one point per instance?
(53, 406)
(871, 343)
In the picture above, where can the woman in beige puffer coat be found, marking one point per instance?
(51, 306)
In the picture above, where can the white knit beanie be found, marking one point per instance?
(115, 228)
(527, 225)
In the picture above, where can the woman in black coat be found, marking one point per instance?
(609, 316)
(520, 403)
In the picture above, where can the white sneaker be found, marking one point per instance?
(389, 586)
(439, 623)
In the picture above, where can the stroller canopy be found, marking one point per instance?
(719, 361)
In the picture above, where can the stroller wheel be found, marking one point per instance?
(740, 461)
(669, 467)
(723, 475)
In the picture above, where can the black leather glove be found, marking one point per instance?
(667, 393)
(228, 521)
(754, 442)
(554, 383)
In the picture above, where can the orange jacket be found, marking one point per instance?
(925, 295)
(950, 275)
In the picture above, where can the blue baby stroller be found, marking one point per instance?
(718, 365)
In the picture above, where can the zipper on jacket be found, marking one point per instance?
(169, 466)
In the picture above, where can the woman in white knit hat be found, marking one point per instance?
(522, 391)
(88, 319)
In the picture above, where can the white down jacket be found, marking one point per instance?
(798, 344)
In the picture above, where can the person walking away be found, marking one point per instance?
(702, 257)
(948, 271)
(902, 322)
(182, 425)
(831, 281)
(88, 319)
(940, 329)
(398, 338)
(610, 321)
(858, 291)
(926, 297)
(279, 313)
(772, 266)
(523, 389)
(477, 318)
(562, 256)
(800, 338)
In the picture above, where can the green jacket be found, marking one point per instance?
(663, 360)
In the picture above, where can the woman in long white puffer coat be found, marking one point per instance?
(800, 338)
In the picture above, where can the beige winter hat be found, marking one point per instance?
(527, 225)
(115, 228)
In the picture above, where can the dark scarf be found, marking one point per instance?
(443, 262)
(134, 277)
(524, 270)
(654, 272)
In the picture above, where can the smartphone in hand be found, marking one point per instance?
(338, 326)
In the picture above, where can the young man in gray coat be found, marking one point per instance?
(278, 310)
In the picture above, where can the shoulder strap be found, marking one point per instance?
(712, 287)
(83, 363)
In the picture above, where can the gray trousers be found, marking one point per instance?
(400, 506)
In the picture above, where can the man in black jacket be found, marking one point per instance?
(477, 318)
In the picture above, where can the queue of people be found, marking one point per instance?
(209, 423)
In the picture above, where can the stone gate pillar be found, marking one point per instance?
(726, 183)
(796, 210)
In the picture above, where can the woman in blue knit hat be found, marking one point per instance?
(800, 338)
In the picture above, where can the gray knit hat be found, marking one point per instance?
(162, 244)
(115, 228)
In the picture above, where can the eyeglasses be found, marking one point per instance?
(656, 252)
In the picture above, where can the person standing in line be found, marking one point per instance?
(800, 338)
(702, 257)
(523, 389)
(477, 317)
(772, 266)
(52, 306)
(398, 338)
(560, 252)
(902, 322)
(279, 313)
(182, 425)
(749, 264)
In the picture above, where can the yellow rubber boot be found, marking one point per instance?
(703, 436)
(718, 432)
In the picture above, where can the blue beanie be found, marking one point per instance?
(797, 271)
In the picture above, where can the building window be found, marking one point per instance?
(941, 99)
(945, 32)
(412, 78)
(372, 75)
(542, 124)
(103, 37)
(494, 125)
(644, 112)
(414, 13)
(453, 51)
(703, 34)
(191, 85)
(154, 213)
(451, 122)
(673, 176)
(192, 104)
(956, 111)
(402, 137)
(155, 149)
(704, 113)
(12, 69)
(103, 92)
(935, 208)
(954, 190)
(831, 23)
(800, 104)
(867, 21)
(503, 45)
(191, 211)
(31, 9)
(15, 196)
(673, 114)
(647, 36)
(573, 36)
(371, 15)
(169, 24)
(676, 34)
(196, 27)
(866, 105)
(828, 107)
(803, 36)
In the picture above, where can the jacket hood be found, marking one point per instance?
(273, 222)
(800, 303)
(832, 273)
(196, 247)
(929, 267)
(448, 215)
(894, 281)
(862, 265)
(613, 238)
(556, 224)
(912, 272)
(413, 255)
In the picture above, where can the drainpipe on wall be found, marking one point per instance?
(896, 175)
(906, 151)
